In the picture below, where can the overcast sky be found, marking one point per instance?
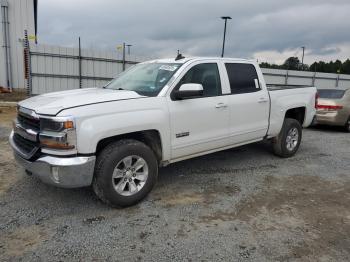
(267, 30)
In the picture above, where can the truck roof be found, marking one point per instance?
(186, 59)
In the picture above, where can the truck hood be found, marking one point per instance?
(53, 103)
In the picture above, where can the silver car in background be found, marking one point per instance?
(333, 108)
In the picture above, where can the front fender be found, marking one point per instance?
(100, 121)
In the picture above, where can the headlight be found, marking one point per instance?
(57, 124)
(57, 133)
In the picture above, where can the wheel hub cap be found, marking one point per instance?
(130, 175)
(292, 139)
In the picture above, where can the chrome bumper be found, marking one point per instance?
(68, 172)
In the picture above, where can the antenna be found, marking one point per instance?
(179, 56)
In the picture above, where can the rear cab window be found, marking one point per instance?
(243, 78)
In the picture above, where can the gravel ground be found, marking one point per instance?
(242, 204)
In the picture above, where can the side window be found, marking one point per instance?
(205, 74)
(243, 78)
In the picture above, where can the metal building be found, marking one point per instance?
(16, 16)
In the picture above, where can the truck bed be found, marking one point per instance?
(284, 97)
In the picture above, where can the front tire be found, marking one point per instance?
(287, 143)
(125, 172)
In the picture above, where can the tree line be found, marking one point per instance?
(293, 63)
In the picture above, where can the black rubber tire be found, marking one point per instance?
(106, 161)
(347, 125)
(279, 143)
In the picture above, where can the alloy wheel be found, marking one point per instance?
(292, 139)
(130, 175)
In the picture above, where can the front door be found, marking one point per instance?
(199, 124)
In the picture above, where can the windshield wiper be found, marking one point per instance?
(119, 88)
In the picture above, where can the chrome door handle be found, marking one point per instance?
(220, 105)
(263, 100)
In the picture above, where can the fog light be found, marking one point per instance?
(54, 172)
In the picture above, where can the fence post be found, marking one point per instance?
(313, 79)
(337, 81)
(80, 79)
(286, 80)
(27, 63)
(123, 56)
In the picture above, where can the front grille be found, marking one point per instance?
(26, 146)
(26, 126)
(28, 122)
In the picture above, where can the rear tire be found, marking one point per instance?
(347, 125)
(125, 172)
(287, 143)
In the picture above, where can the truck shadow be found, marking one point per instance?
(227, 161)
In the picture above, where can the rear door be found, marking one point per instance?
(248, 103)
(199, 124)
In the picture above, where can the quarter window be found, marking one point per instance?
(243, 78)
(205, 74)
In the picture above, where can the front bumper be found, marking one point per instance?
(68, 172)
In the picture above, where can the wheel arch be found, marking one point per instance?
(297, 113)
(151, 138)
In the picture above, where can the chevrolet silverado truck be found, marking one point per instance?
(156, 113)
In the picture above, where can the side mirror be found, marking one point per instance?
(188, 91)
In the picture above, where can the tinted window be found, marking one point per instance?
(242, 78)
(329, 93)
(205, 74)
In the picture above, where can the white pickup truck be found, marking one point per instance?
(156, 113)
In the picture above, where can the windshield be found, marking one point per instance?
(145, 79)
(331, 93)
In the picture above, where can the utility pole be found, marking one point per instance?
(223, 41)
(302, 59)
